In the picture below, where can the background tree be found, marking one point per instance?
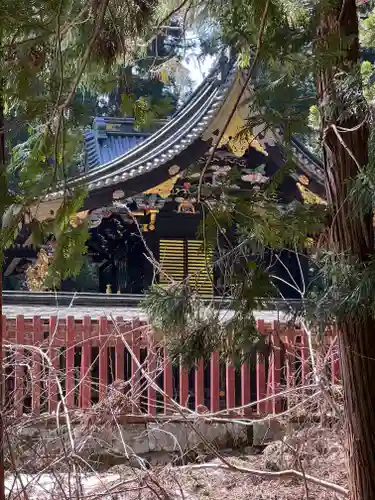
(51, 52)
(297, 46)
(56, 55)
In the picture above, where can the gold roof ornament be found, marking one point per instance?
(79, 218)
(238, 139)
(309, 197)
(36, 274)
(164, 189)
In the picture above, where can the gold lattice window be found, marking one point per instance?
(172, 261)
(186, 259)
(199, 267)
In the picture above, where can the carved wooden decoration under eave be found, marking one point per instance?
(164, 189)
(238, 139)
(310, 197)
(36, 274)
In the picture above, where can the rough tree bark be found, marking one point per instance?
(352, 232)
(2, 165)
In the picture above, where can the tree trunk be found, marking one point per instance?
(352, 232)
(2, 440)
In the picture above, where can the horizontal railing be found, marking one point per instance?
(121, 300)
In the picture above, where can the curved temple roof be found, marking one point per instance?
(131, 162)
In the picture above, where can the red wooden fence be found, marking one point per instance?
(47, 361)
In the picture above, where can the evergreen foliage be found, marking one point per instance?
(284, 93)
(303, 65)
(59, 58)
(248, 236)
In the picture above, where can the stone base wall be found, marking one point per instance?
(37, 446)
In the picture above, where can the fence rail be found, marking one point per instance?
(85, 361)
(73, 299)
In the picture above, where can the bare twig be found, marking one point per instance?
(285, 474)
(299, 460)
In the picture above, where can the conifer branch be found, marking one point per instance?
(86, 55)
(238, 100)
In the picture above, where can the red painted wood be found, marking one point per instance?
(304, 357)
(135, 363)
(85, 375)
(19, 369)
(230, 375)
(103, 357)
(276, 368)
(261, 374)
(37, 339)
(290, 358)
(215, 382)
(199, 384)
(119, 349)
(245, 388)
(70, 341)
(184, 386)
(268, 403)
(136, 348)
(168, 384)
(89, 335)
(289, 364)
(53, 356)
(151, 391)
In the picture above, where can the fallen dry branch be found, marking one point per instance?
(284, 474)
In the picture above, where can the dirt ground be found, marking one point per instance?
(320, 452)
(314, 451)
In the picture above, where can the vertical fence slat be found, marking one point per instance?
(70, 339)
(54, 365)
(215, 382)
(261, 374)
(289, 365)
(304, 357)
(168, 383)
(18, 369)
(119, 349)
(151, 368)
(85, 375)
(292, 348)
(199, 384)
(36, 366)
(135, 362)
(245, 387)
(103, 357)
(184, 386)
(276, 367)
(230, 392)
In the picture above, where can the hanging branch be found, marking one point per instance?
(238, 100)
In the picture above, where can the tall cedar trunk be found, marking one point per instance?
(2, 441)
(352, 232)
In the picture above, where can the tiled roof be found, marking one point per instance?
(118, 155)
(109, 139)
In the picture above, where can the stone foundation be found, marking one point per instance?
(37, 446)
